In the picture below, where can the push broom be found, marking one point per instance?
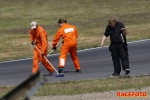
(58, 74)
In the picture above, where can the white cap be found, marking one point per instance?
(33, 25)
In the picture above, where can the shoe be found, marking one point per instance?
(115, 74)
(51, 73)
(78, 70)
(60, 70)
(32, 74)
(127, 71)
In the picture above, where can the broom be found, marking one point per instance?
(58, 74)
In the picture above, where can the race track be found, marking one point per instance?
(95, 63)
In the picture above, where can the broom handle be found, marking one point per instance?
(56, 47)
(54, 50)
(46, 59)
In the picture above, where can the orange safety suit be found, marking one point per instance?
(39, 36)
(69, 35)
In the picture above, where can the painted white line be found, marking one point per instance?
(16, 60)
(139, 41)
(77, 51)
(108, 46)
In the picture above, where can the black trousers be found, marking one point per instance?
(120, 57)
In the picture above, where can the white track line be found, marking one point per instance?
(108, 46)
(77, 51)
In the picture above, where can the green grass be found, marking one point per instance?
(88, 86)
(89, 16)
(93, 85)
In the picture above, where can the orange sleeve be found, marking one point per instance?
(44, 40)
(56, 38)
(32, 38)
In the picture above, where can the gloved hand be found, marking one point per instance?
(33, 43)
(42, 55)
(54, 48)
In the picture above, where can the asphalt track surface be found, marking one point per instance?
(95, 63)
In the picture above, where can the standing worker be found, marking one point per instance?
(118, 46)
(38, 37)
(69, 35)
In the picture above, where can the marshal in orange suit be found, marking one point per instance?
(38, 37)
(69, 35)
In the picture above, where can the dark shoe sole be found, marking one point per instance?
(60, 70)
(31, 74)
(51, 73)
(78, 71)
(127, 72)
(115, 75)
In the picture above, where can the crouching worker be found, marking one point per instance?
(38, 37)
(69, 35)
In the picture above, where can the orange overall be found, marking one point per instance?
(69, 34)
(40, 37)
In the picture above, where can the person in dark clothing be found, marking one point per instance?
(118, 45)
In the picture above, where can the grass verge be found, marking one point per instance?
(89, 86)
